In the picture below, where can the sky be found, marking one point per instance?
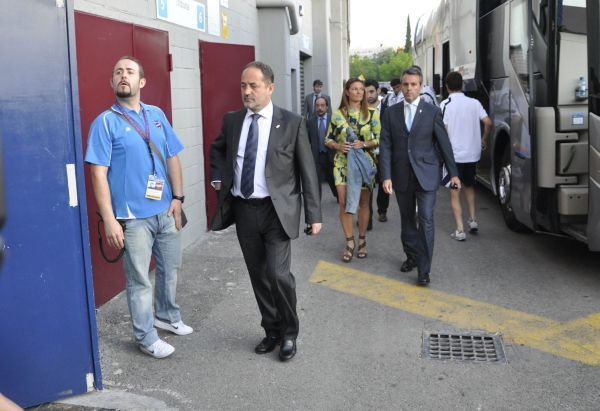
(383, 22)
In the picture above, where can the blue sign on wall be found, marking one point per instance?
(162, 8)
(201, 17)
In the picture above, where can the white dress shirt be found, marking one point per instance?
(264, 129)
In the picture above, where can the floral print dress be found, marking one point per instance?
(365, 129)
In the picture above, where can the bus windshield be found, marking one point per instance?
(572, 17)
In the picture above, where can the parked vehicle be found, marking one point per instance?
(527, 62)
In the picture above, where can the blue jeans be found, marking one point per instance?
(145, 237)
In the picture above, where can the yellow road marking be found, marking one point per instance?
(577, 340)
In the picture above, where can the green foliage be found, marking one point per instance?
(363, 65)
(408, 43)
(394, 68)
(383, 66)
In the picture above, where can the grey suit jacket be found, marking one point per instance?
(309, 106)
(290, 170)
(420, 148)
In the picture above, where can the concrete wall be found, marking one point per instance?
(339, 54)
(321, 60)
(276, 52)
(268, 31)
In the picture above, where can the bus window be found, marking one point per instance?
(540, 12)
(572, 17)
(488, 5)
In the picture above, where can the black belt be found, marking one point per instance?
(254, 201)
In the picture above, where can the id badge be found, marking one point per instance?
(154, 187)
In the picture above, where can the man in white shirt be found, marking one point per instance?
(395, 97)
(410, 166)
(258, 163)
(462, 116)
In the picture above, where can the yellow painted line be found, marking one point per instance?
(577, 340)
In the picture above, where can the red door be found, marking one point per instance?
(100, 42)
(221, 68)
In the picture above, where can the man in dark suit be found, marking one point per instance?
(410, 164)
(259, 163)
(309, 100)
(317, 127)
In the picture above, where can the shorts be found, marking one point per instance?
(466, 173)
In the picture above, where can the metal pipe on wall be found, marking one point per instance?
(291, 7)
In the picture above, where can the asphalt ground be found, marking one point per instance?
(362, 326)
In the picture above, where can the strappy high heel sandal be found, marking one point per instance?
(349, 251)
(362, 247)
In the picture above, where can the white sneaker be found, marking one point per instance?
(473, 226)
(178, 328)
(160, 349)
(459, 235)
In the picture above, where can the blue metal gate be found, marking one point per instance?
(48, 342)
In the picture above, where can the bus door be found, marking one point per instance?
(593, 221)
(520, 84)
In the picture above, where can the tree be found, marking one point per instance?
(383, 66)
(408, 43)
(394, 68)
(363, 65)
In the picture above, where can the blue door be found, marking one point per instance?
(48, 342)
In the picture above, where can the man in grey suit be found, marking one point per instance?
(410, 165)
(259, 163)
(309, 100)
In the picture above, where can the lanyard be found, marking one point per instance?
(144, 134)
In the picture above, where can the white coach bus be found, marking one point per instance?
(527, 62)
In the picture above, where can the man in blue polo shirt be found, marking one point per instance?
(137, 180)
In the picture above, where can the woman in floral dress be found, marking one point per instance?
(353, 112)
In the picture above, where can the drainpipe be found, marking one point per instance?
(290, 5)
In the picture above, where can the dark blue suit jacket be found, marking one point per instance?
(313, 134)
(419, 148)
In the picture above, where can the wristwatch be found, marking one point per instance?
(180, 198)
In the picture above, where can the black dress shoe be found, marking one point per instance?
(423, 279)
(288, 349)
(267, 344)
(408, 265)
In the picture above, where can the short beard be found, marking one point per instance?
(124, 94)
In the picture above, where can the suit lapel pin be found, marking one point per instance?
(420, 111)
(277, 126)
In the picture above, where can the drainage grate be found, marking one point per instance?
(476, 347)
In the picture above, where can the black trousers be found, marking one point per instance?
(325, 173)
(383, 198)
(267, 252)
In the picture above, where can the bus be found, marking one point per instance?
(526, 61)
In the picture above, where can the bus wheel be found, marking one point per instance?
(504, 184)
